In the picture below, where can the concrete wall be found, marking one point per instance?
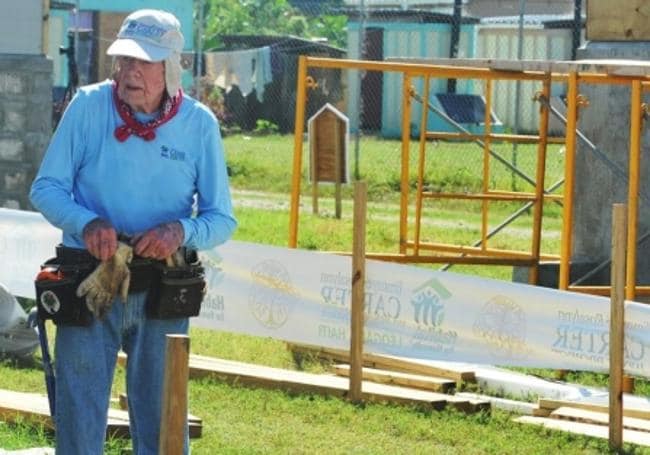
(25, 123)
(21, 27)
(606, 123)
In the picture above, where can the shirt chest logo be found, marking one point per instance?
(171, 153)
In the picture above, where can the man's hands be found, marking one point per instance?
(100, 238)
(159, 242)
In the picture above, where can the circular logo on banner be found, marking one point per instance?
(50, 302)
(271, 295)
(502, 324)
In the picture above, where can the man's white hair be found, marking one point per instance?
(173, 73)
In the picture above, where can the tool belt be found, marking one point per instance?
(172, 292)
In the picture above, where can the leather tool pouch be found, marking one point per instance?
(176, 292)
(142, 274)
(56, 297)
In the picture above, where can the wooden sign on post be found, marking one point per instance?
(328, 131)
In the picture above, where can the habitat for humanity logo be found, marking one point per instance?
(428, 313)
(213, 307)
(428, 309)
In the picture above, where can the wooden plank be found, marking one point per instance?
(32, 407)
(551, 404)
(401, 379)
(598, 418)
(598, 431)
(544, 66)
(613, 67)
(35, 408)
(123, 402)
(541, 412)
(387, 363)
(120, 424)
(300, 382)
(330, 385)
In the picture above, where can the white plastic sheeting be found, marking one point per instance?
(304, 297)
(17, 337)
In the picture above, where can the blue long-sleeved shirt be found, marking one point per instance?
(135, 185)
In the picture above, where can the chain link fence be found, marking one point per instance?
(250, 80)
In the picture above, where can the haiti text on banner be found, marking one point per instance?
(305, 297)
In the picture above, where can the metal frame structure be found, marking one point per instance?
(570, 73)
(638, 82)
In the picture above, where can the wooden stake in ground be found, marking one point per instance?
(616, 327)
(358, 291)
(174, 400)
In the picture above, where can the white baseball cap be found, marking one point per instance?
(148, 34)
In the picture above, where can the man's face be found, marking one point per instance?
(141, 83)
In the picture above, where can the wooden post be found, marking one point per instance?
(338, 177)
(358, 291)
(173, 416)
(314, 172)
(616, 327)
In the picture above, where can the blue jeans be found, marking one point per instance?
(84, 365)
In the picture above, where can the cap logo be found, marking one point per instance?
(137, 29)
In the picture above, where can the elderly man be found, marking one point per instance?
(132, 158)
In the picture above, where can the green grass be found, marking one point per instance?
(251, 421)
(266, 164)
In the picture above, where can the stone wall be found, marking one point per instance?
(25, 124)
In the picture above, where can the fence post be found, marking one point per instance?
(358, 292)
(617, 327)
(173, 414)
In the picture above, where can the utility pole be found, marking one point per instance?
(577, 27)
(454, 40)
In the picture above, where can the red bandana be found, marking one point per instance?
(144, 130)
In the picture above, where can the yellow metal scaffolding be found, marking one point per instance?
(416, 250)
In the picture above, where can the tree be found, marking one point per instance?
(269, 17)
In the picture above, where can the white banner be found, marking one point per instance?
(304, 297)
